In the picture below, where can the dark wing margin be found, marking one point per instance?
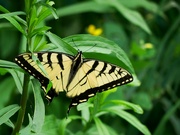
(114, 76)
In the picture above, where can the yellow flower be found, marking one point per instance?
(93, 30)
(148, 46)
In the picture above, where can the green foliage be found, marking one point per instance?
(7, 112)
(35, 125)
(148, 33)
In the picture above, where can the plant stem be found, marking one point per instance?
(21, 113)
(23, 105)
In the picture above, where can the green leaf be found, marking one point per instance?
(13, 14)
(43, 46)
(39, 30)
(148, 5)
(40, 43)
(10, 124)
(102, 129)
(84, 108)
(7, 64)
(3, 9)
(18, 79)
(133, 16)
(14, 22)
(28, 128)
(33, 18)
(7, 112)
(96, 47)
(37, 40)
(36, 124)
(126, 105)
(64, 123)
(29, 4)
(44, 10)
(39, 111)
(47, 7)
(129, 118)
(38, 14)
(52, 126)
(60, 44)
(92, 130)
(42, 16)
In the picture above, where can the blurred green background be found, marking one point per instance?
(154, 52)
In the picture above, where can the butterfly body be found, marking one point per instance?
(76, 64)
(80, 78)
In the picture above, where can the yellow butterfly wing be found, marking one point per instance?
(56, 65)
(95, 76)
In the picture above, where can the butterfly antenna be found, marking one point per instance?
(75, 45)
(85, 50)
(90, 48)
